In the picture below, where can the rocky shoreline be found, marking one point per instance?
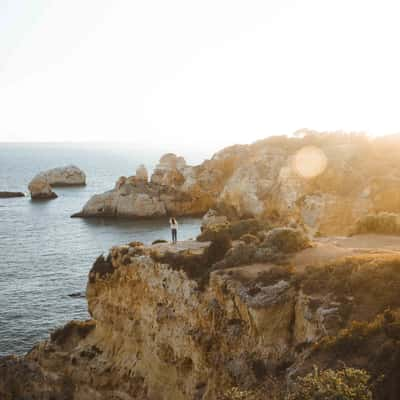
(173, 322)
(324, 182)
(266, 293)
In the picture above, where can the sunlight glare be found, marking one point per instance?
(309, 162)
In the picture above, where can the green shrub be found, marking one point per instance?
(344, 384)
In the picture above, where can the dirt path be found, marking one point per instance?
(334, 248)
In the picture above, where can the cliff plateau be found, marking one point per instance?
(168, 324)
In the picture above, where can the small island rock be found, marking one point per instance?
(7, 195)
(40, 189)
(65, 176)
(41, 185)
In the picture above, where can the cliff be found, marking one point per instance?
(173, 322)
(325, 182)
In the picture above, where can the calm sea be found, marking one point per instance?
(44, 254)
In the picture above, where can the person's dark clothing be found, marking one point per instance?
(174, 235)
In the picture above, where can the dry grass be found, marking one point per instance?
(384, 222)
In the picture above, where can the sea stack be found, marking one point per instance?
(172, 189)
(69, 175)
(40, 189)
(41, 185)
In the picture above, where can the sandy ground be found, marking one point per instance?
(334, 248)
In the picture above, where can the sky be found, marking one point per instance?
(201, 74)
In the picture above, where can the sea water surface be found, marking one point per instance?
(44, 254)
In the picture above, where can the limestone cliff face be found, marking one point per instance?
(157, 334)
(184, 342)
(159, 331)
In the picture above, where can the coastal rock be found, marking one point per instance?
(158, 327)
(323, 182)
(126, 200)
(212, 218)
(170, 191)
(69, 175)
(141, 173)
(6, 195)
(168, 168)
(41, 185)
(40, 189)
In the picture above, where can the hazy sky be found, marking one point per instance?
(196, 73)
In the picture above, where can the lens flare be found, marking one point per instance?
(309, 162)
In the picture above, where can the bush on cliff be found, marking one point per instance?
(344, 384)
(72, 330)
(274, 249)
(369, 283)
(101, 267)
(236, 393)
(372, 346)
(286, 240)
(235, 229)
(213, 232)
(383, 222)
(359, 333)
(158, 241)
(218, 248)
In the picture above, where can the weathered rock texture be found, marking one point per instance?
(40, 188)
(65, 176)
(41, 185)
(325, 182)
(174, 189)
(156, 334)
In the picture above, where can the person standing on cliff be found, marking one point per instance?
(174, 229)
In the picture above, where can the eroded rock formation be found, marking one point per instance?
(322, 181)
(40, 189)
(157, 333)
(174, 189)
(41, 185)
(69, 175)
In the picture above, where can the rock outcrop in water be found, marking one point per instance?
(160, 331)
(65, 176)
(41, 185)
(324, 182)
(174, 189)
(40, 189)
(6, 195)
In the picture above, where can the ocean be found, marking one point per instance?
(45, 255)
